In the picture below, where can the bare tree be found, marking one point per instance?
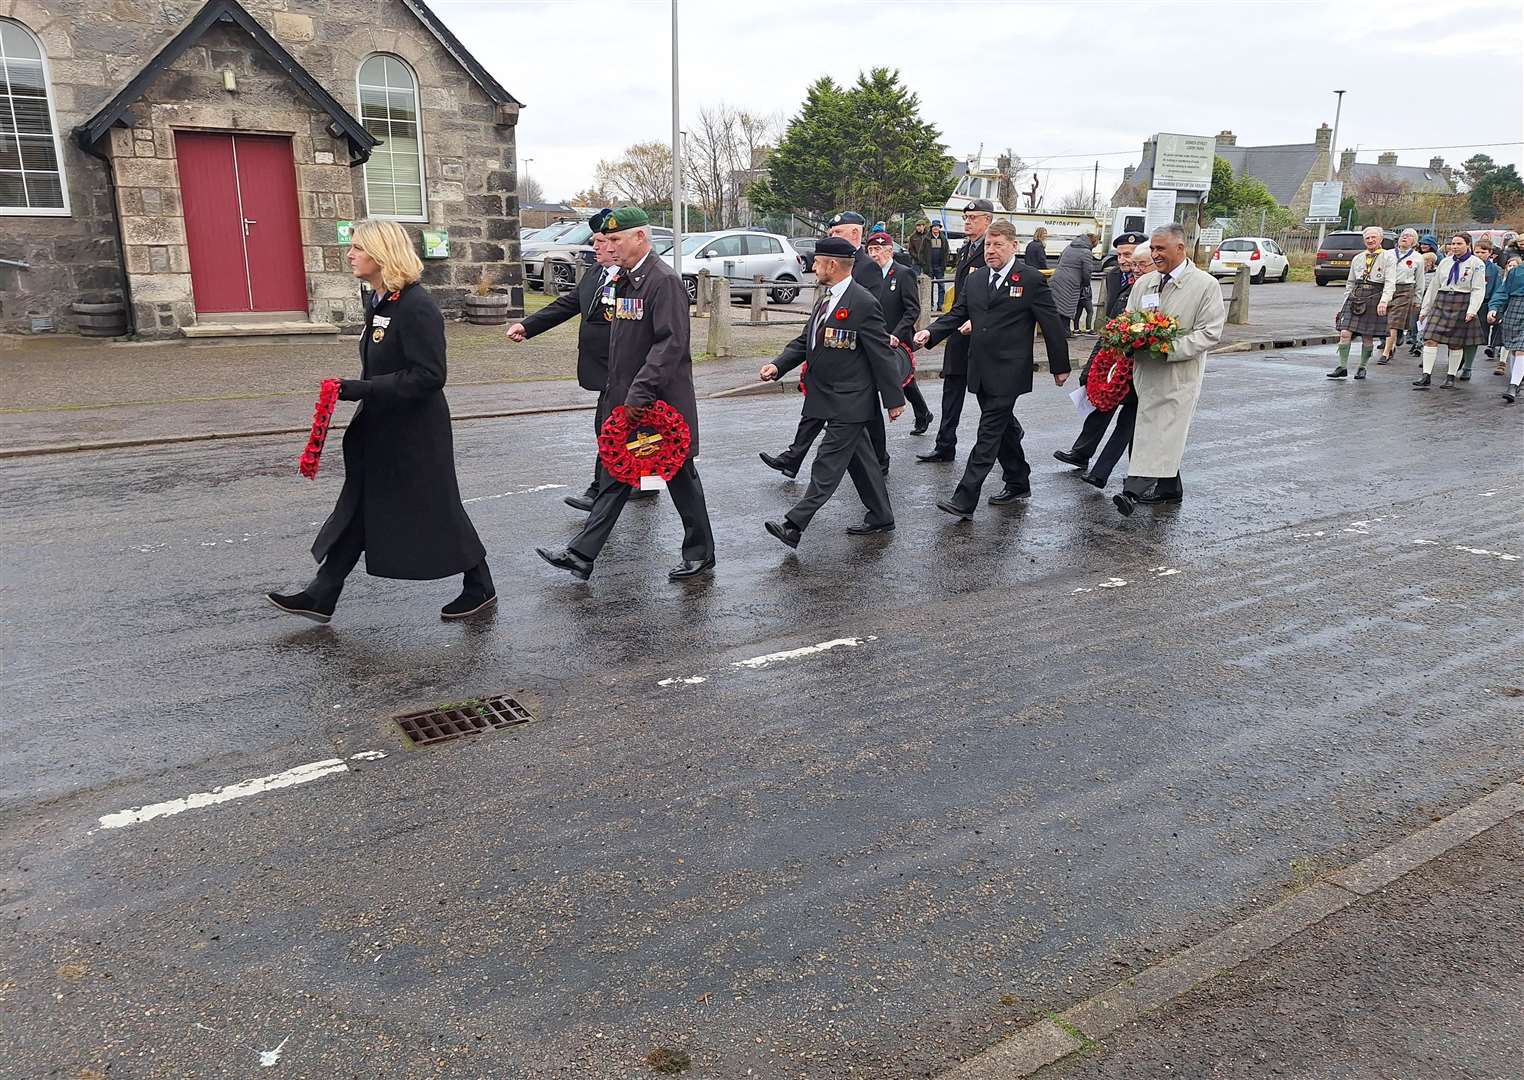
(1077, 201)
(1380, 190)
(643, 175)
(530, 191)
(725, 148)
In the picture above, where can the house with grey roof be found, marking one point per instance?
(1288, 170)
(1436, 178)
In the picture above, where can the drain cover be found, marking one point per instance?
(471, 717)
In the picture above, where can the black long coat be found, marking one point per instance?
(592, 333)
(399, 454)
(1005, 327)
(648, 356)
(970, 259)
(846, 384)
(900, 301)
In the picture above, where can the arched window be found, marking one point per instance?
(31, 175)
(389, 111)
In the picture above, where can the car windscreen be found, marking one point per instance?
(696, 241)
(1237, 245)
(1343, 242)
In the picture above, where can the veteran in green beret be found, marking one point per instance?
(649, 361)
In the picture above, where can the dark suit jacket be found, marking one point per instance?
(955, 356)
(592, 335)
(845, 384)
(900, 301)
(866, 272)
(648, 356)
(1000, 348)
(1036, 256)
(1116, 296)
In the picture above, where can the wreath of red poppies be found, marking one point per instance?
(322, 415)
(655, 444)
(1109, 379)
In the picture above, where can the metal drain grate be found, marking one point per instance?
(463, 718)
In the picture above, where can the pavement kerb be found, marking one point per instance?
(1077, 1029)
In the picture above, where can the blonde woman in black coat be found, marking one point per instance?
(400, 505)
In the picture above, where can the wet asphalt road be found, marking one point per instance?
(863, 862)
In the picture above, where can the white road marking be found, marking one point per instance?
(1483, 551)
(268, 1059)
(758, 662)
(302, 774)
(521, 491)
(1164, 571)
(1111, 583)
(1488, 494)
(692, 680)
(1431, 543)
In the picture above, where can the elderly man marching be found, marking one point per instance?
(1407, 278)
(648, 362)
(1372, 283)
(1169, 388)
(1452, 304)
(851, 367)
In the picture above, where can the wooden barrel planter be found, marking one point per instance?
(108, 319)
(489, 310)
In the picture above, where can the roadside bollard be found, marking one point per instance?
(721, 340)
(923, 289)
(701, 295)
(758, 300)
(1238, 307)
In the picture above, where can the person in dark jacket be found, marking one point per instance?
(937, 254)
(1076, 266)
(400, 505)
(976, 219)
(916, 246)
(1005, 304)
(900, 302)
(851, 367)
(1037, 251)
(649, 361)
(593, 302)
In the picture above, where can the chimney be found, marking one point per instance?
(1437, 164)
(1226, 138)
(1346, 159)
(1324, 137)
(1388, 158)
(1127, 171)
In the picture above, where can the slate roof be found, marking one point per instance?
(1282, 169)
(1420, 179)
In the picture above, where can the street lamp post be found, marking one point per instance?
(677, 159)
(1333, 146)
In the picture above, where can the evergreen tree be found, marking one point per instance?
(1498, 192)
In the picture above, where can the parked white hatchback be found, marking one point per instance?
(1266, 260)
(740, 254)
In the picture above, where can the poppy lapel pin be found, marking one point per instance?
(841, 314)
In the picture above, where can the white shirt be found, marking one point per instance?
(835, 293)
(641, 263)
(997, 276)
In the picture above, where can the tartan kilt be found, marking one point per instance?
(1511, 325)
(1403, 307)
(1368, 325)
(1447, 323)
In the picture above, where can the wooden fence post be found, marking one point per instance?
(923, 289)
(758, 299)
(701, 295)
(721, 340)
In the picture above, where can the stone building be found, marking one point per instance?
(202, 161)
(1288, 170)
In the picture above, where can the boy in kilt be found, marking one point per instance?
(1372, 283)
(1452, 303)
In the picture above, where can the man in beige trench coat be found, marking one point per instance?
(1168, 389)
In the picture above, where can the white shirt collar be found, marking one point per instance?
(1004, 271)
(839, 288)
(1178, 272)
(641, 263)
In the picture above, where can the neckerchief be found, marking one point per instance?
(1455, 266)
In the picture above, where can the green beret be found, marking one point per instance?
(626, 217)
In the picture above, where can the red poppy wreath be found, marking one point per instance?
(1109, 379)
(654, 445)
(322, 415)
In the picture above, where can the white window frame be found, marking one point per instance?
(63, 176)
(423, 180)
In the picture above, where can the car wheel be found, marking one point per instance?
(565, 277)
(784, 295)
(1320, 282)
(691, 285)
(1260, 278)
(1285, 273)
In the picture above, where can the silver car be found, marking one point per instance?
(550, 260)
(741, 254)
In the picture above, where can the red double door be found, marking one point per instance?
(242, 222)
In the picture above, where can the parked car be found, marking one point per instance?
(1264, 256)
(805, 245)
(550, 260)
(1334, 254)
(740, 254)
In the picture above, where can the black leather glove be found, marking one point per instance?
(352, 389)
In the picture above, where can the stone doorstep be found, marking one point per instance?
(213, 331)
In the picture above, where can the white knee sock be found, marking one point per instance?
(1429, 354)
(1456, 356)
(1516, 369)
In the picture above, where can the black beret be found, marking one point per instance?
(846, 217)
(835, 247)
(980, 206)
(596, 221)
(1128, 238)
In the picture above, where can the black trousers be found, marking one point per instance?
(345, 555)
(846, 449)
(600, 414)
(1094, 428)
(810, 428)
(999, 440)
(917, 400)
(954, 390)
(687, 495)
(1168, 485)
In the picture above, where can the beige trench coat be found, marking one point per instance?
(1168, 389)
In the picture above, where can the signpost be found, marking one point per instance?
(1183, 162)
(1323, 209)
(1159, 210)
(1209, 238)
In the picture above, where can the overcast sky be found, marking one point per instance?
(1039, 77)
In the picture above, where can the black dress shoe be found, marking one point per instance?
(1090, 478)
(1010, 495)
(467, 604)
(868, 530)
(922, 425)
(1421, 383)
(1069, 457)
(1154, 497)
(1360, 374)
(948, 507)
(1465, 376)
(777, 463)
(935, 455)
(568, 559)
(1126, 502)
(1449, 383)
(301, 603)
(785, 531)
(689, 568)
(1384, 361)
(579, 502)
(1338, 373)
